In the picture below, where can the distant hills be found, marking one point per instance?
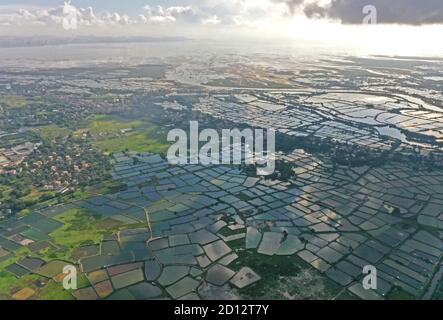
(6, 41)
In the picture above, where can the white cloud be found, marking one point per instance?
(214, 20)
(226, 18)
(201, 12)
(165, 14)
(53, 17)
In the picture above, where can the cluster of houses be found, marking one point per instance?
(13, 157)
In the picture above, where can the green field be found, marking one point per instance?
(54, 291)
(8, 281)
(79, 227)
(5, 191)
(13, 102)
(138, 142)
(115, 134)
(102, 124)
(51, 132)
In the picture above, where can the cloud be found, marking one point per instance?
(410, 12)
(29, 17)
(86, 17)
(166, 14)
(247, 13)
(59, 16)
(393, 11)
(250, 13)
(214, 20)
(292, 4)
(240, 13)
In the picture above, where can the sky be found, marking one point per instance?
(404, 27)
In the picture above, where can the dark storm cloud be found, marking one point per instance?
(413, 12)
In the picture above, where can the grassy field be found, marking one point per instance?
(5, 191)
(51, 132)
(9, 284)
(13, 102)
(108, 125)
(54, 291)
(80, 132)
(138, 142)
(79, 227)
(115, 134)
(8, 281)
(35, 195)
